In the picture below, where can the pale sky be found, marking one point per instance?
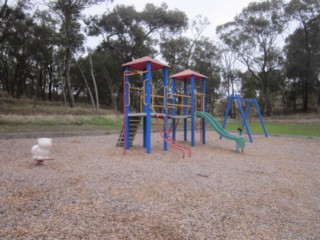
(217, 11)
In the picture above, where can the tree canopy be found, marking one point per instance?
(270, 51)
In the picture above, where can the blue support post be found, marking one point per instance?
(260, 117)
(204, 103)
(227, 112)
(185, 110)
(147, 107)
(165, 89)
(193, 122)
(246, 116)
(243, 117)
(127, 110)
(174, 110)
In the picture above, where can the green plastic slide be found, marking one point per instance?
(240, 142)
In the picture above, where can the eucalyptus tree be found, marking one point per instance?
(196, 52)
(175, 51)
(253, 36)
(16, 31)
(229, 73)
(302, 44)
(105, 63)
(43, 49)
(69, 13)
(4, 17)
(105, 67)
(303, 65)
(129, 34)
(132, 34)
(203, 58)
(94, 81)
(179, 51)
(85, 81)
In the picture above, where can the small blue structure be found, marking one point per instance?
(189, 78)
(143, 66)
(243, 115)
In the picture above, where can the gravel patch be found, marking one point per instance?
(91, 191)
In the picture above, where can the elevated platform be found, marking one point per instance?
(144, 114)
(179, 116)
(154, 114)
(137, 114)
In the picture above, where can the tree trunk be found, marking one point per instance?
(38, 79)
(94, 81)
(79, 91)
(233, 105)
(68, 81)
(305, 94)
(120, 97)
(284, 102)
(318, 102)
(14, 81)
(85, 81)
(43, 84)
(307, 68)
(268, 103)
(294, 100)
(62, 84)
(50, 82)
(64, 92)
(266, 94)
(109, 83)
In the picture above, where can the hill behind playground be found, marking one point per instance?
(23, 115)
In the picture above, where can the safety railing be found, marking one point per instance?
(159, 101)
(199, 101)
(125, 85)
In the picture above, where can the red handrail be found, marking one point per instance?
(169, 139)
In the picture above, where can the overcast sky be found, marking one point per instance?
(217, 11)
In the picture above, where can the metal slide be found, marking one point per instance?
(240, 142)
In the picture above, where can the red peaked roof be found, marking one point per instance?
(141, 64)
(187, 74)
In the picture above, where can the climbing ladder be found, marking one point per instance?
(134, 123)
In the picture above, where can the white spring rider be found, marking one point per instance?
(41, 151)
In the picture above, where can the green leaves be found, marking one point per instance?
(253, 37)
(132, 34)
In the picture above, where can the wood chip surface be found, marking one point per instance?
(91, 191)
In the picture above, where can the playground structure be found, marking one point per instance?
(244, 115)
(187, 102)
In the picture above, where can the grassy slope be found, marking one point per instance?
(299, 129)
(21, 116)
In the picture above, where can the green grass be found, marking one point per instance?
(68, 122)
(22, 116)
(101, 120)
(301, 129)
(19, 123)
